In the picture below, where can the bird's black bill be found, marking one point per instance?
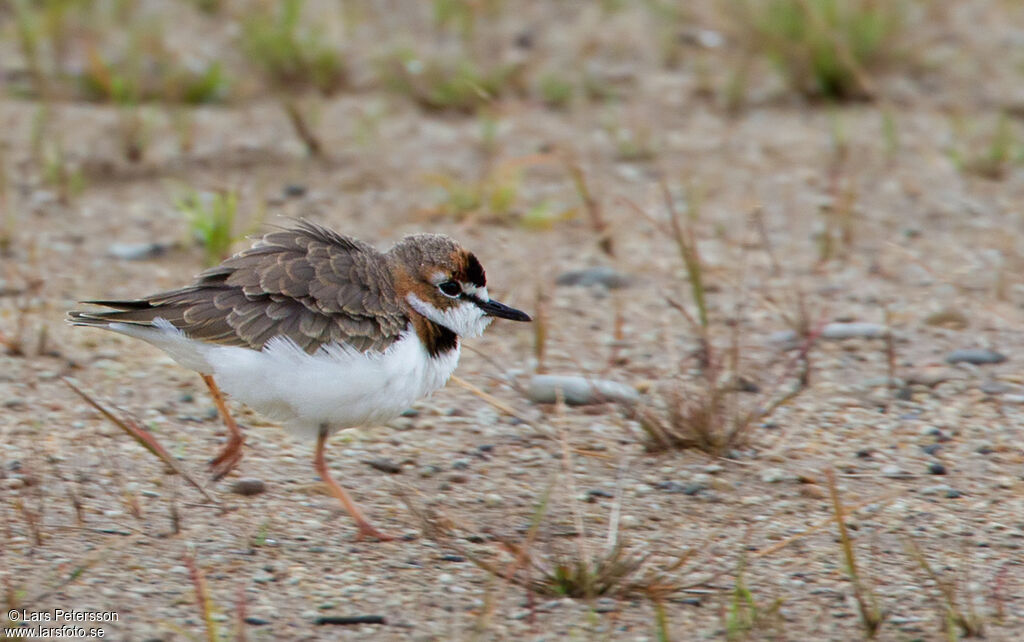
(494, 309)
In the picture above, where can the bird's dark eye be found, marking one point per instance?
(451, 288)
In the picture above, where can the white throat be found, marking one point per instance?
(465, 319)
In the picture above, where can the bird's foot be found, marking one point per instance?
(228, 458)
(369, 532)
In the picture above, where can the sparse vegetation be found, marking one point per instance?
(825, 48)
(211, 218)
(458, 85)
(537, 126)
(989, 155)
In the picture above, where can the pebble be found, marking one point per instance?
(892, 470)
(136, 251)
(690, 488)
(937, 489)
(493, 500)
(855, 330)
(599, 275)
(947, 318)
(14, 403)
(579, 391)
(936, 468)
(248, 486)
(977, 356)
(776, 475)
(994, 387)
(785, 339)
(294, 190)
(384, 466)
(930, 377)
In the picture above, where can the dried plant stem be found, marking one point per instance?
(870, 615)
(302, 129)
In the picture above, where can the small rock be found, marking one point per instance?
(294, 190)
(384, 466)
(931, 449)
(839, 331)
(248, 486)
(994, 387)
(892, 470)
(594, 493)
(930, 377)
(606, 605)
(460, 464)
(977, 356)
(256, 621)
(493, 500)
(579, 391)
(136, 251)
(14, 403)
(936, 468)
(947, 318)
(953, 493)
(429, 471)
(690, 488)
(599, 275)
(1013, 398)
(775, 475)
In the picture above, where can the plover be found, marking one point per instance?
(318, 330)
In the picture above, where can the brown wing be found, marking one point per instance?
(309, 284)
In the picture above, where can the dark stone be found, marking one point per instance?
(384, 466)
(248, 487)
(935, 468)
(344, 620)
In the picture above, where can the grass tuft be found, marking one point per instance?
(292, 58)
(825, 48)
(457, 84)
(211, 220)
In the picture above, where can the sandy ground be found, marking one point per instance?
(940, 464)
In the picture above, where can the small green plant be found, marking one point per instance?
(958, 623)
(290, 56)
(211, 221)
(825, 48)
(555, 90)
(293, 59)
(991, 155)
(493, 196)
(458, 84)
(744, 616)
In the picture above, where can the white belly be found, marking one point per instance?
(337, 387)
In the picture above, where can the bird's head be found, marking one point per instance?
(445, 283)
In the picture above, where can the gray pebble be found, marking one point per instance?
(14, 403)
(994, 387)
(579, 391)
(136, 251)
(248, 487)
(839, 331)
(775, 475)
(785, 339)
(977, 356)
(892, 470)
(599, 275)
